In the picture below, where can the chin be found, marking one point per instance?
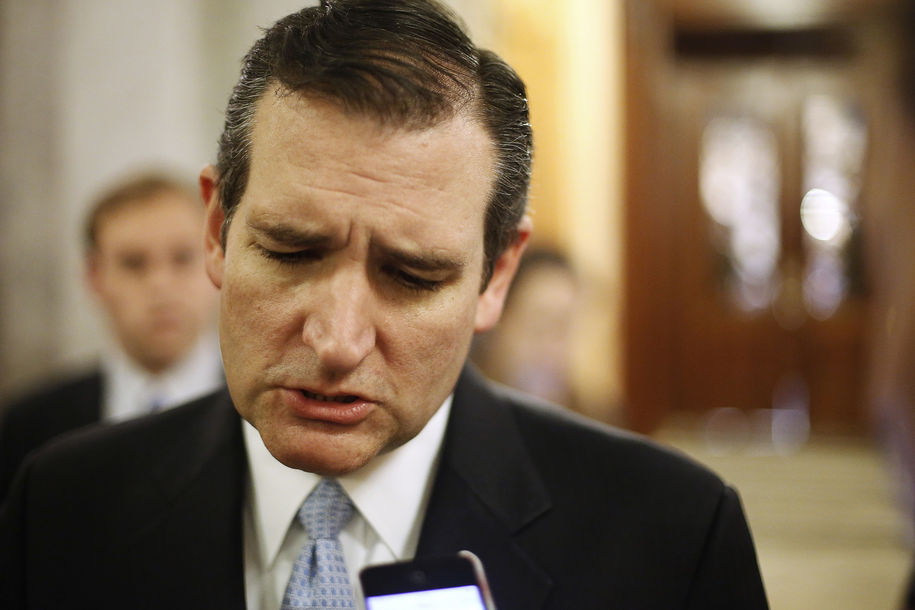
(327, 468)
(324, 449)
(329, 462)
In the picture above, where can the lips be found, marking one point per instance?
(340, 409)
(345, 399)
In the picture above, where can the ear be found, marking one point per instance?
(491, 300)
(214, 253)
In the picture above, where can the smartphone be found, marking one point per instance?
(454, 582)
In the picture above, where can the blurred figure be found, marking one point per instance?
(144, 266)
(531, 348)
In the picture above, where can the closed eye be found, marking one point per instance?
(296, 256)
(413, 281)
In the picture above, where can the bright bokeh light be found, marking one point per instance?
(835, 145)
(824, 215)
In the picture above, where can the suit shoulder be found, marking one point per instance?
(149, 428)
(54, 394)
(116, 449)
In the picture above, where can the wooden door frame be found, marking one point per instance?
(647, 372)
(648, 323)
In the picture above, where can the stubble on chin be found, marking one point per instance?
(317, 447)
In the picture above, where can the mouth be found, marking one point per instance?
(343, 399)
(341, 409)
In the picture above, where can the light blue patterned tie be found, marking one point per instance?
(319, 578)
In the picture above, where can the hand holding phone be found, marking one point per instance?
(455, 582)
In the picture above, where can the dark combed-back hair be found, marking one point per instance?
(407, 63)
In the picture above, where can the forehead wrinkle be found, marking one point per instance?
(368, 202)
(316, 176)
(392, 170)
(351, 178)
(357, 162)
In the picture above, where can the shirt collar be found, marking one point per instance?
(130, 389)
(404, 474)
(198, 373)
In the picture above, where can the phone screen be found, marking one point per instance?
(453, 582)
(466, 597)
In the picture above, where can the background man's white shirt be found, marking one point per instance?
(130, 391)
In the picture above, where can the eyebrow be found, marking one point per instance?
(422, 262)
(289, 236)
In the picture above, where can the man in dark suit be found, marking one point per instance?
(144, 266)
(364, 220)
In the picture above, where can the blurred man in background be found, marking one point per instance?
(531, 348)
(144, 266)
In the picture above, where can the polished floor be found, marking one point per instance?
(824, 513)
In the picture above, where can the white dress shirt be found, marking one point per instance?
(390, 495)
(130, 391)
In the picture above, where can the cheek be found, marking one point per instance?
(436, 342)
(441, 322)
(241, 312)
(256, 321)
(429, 369)
(246, 350)
(197, 292)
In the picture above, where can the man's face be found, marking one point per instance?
(147, 272)
(351, 278)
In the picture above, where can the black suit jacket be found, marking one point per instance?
(35, 418)
(565, 514)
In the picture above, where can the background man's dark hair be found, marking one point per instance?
(407, 63)
(535, 258)
(131, 191)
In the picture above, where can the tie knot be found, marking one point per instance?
(326, 510)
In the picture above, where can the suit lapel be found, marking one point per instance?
(188, 546)
(487, 489)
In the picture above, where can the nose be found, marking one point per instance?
(160, 277)
(339, 325)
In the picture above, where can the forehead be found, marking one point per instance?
(150, 219)
(309, 151)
